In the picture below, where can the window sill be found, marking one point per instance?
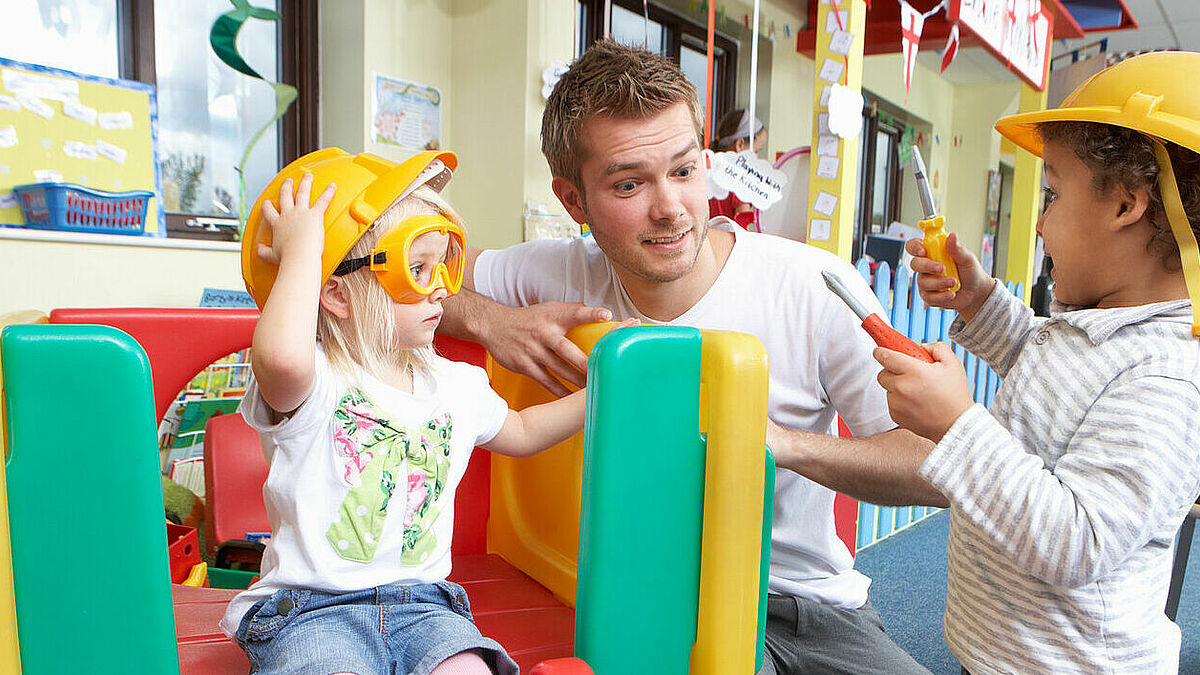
(116, 240)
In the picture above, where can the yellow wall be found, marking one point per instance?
(976, 109)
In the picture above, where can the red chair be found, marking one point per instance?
(234, 472)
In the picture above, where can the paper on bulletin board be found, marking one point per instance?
(406, 114)
(68, 144)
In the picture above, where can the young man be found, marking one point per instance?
(622, 135)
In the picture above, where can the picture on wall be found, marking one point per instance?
(406, 114)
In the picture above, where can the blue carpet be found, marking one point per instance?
(908, 570)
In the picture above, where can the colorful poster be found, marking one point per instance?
(406, 114)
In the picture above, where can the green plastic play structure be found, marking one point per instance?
(90, 568)
(91, 574)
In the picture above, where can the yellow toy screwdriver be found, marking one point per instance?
(934, 225)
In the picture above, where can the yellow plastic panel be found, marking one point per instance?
(535, 501)
(734, 370)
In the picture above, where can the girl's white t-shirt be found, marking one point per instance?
(362, 478)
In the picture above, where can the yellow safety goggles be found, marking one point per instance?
(410, 278)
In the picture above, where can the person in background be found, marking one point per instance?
(1067, 494)
(733, 134)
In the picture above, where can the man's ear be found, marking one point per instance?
(571, 198)
(1131, 205)
(335, 298)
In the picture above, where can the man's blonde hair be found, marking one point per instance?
(610, 80)
(367, 339)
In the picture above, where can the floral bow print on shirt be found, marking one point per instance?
(377, 457)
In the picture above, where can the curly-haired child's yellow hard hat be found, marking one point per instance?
(366, 186)
(1156, 94)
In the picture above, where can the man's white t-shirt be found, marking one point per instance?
(362, 477)
(819, 359)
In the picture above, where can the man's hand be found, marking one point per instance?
(935, 285)
(533, 341)
(925, 398)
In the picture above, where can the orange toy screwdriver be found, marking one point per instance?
(884, 335)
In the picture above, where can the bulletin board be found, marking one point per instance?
(94, 131)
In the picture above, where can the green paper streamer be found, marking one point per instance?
(223, 38)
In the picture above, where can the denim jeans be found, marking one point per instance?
(388, 629)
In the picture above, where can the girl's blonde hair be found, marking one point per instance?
(367, 339)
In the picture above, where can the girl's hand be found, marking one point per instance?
(925, 398)
(935, 286)
(297, 229)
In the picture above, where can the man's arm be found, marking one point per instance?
(880, 469)
(527, 340)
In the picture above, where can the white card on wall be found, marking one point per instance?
(831, 71)
(841, 42)
(820, 229)
(827, 146)
(825, 203)
(827, 167)
(831, 21)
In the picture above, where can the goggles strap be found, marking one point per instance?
(1189, 253)
(352, 264)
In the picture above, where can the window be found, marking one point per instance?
(78, 35)
(664, 32)
(207, 112)
(879, 177)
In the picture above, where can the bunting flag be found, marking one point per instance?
(911, 24)
(951, 49)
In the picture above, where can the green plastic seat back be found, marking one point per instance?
(643, 477)
(642, 505)
(89, 555)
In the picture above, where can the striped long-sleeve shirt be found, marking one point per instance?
(1066, 498)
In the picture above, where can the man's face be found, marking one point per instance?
(643, 193)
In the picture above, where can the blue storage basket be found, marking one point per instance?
(75, 208)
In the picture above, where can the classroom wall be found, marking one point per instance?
(976, 109)
(487, 58)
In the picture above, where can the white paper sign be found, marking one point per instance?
(825, 95)
(827, 167)
(9, 103)
(1018, 30)
(9, 200)
(823, 124)
(831, 71)
(47, 176)
(753, 180)
(35, 105)
(831, 21)
(117, 120)
(110, 151)
(827, 146)
(8, 136)
(825, 203)
(841, 42)
(80, 112)
(845, 111)
(820, 229)
(79, 150)
(40, 86)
